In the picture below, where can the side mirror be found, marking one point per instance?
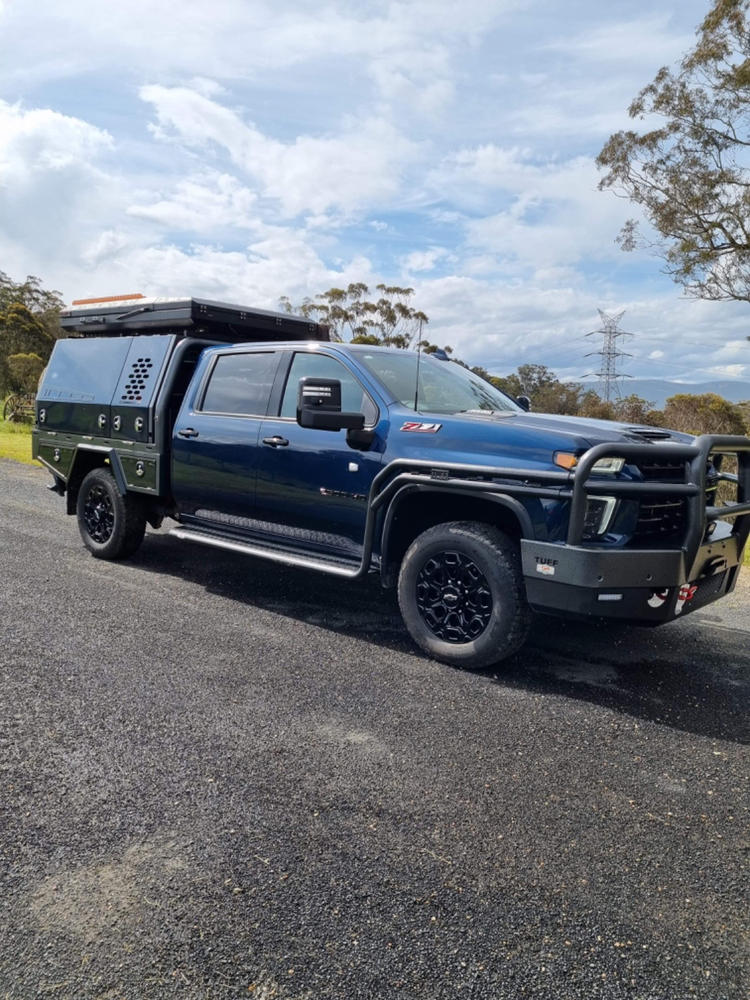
(319, 406)
(524, 402)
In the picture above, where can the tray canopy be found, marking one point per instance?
(131, 315)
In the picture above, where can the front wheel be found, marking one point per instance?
(112, 526)
(461, 594)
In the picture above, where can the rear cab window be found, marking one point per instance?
(240, 384)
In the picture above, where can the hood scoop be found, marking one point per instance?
(648, 434)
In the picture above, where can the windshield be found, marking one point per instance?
(444, 386)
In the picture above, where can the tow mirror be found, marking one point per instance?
(319, 406)
(524, 402)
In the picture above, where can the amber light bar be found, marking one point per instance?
(107, 298)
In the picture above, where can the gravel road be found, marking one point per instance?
(222, 779)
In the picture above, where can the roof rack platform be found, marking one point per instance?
(189, 317)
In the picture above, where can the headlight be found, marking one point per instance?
(608, 465)
(598, 516)
(567, 460)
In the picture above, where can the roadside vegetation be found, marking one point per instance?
(15, 441)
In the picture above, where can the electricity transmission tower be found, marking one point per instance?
(610, 354)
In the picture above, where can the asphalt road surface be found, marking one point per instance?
(223, 779)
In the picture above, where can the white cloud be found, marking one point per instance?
(423, 260)
(279, 262)
(209, 88)
(42, 140)
(107, 246)
(49, 181)
(730, 371)
(358, 168)
(645, 39)
(202, 203)
(553, 215)
(407, 49)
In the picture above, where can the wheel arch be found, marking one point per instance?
(416, 507)
(88, 457)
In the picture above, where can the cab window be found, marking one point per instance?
(240, 384)
(354, 398)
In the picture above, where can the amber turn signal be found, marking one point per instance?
(566, 460)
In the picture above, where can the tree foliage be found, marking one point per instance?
(390, 319)
(634, 409)
(707, 413)
(24, 371)
(548, 394)
(689, 172)
(545, 390)
(592, 405)
(29, 322)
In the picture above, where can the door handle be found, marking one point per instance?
(188, 432)
(276, 441)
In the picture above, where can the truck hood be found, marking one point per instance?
(594, 431)
(512, 439)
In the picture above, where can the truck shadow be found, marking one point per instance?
(687, 675)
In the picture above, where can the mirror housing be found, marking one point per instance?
(319, 406)
(524, 402)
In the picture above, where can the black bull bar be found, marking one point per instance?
(695, 458)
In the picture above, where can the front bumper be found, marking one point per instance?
(645, 586)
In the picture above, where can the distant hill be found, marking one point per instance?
(658, 391)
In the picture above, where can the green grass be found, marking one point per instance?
(15, 441)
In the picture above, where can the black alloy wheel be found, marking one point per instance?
(98, 514)
(454, 597)
(462, 594)
(112, 524)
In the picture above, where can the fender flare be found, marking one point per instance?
(103, 453)
(502, 499)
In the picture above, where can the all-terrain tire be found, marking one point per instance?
(461, 594)
(112, 526)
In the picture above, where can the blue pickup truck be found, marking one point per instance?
(255, 433)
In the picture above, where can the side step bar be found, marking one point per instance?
(263, 552)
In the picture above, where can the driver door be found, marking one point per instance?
(312, 486)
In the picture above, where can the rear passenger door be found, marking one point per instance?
(215, 439)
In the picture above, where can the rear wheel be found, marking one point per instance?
(112, 526)
(461, 594)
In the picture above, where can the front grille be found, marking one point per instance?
(662, 471)
(660, 516)
(664, 516)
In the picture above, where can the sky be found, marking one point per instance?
(245, 150)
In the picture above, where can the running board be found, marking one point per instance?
(263, 552)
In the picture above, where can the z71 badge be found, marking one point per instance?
(418, 428)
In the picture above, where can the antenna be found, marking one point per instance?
(419, 355)
(609, 354)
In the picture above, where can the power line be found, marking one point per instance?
(610, 354)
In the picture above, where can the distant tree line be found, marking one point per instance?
(704, 413)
